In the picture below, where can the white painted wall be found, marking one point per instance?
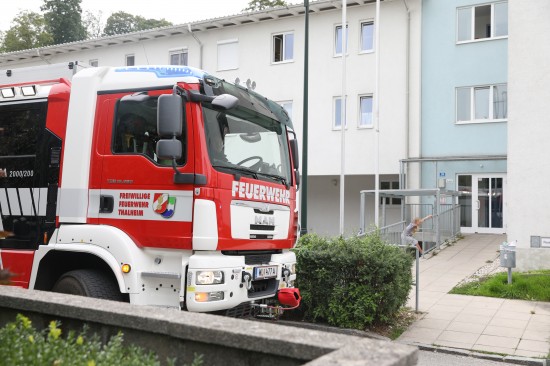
(529, 130)
(399, 91)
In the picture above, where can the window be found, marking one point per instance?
(337, 121)
(365, 110)
(130, 60)
(178, 57)
(482, 22)
(386, 185)
(94, 63)
(283, 47)
(338, 40)
(228, 55)
(135, 130)
(367, 36)
(21, 128)
(242, 143)
(287, 106)
(482, 103)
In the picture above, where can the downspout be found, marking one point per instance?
(402, 183)
(199, 43)
(42, 57)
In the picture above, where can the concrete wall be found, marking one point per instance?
(222, 340)
(324, 204)
(528, 165)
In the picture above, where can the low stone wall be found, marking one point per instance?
(221, 340)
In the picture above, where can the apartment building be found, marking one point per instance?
(465, 108)
(265, 49)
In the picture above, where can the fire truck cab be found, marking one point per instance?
(157, 185)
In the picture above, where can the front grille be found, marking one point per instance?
(262, 227)
(257, 259)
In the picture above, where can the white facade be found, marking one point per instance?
(528, 165)
(242, 47)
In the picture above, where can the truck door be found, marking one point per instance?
(136, 189)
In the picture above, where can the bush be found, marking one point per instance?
(352, 283)
(21, 344)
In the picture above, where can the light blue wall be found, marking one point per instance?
(445, 66)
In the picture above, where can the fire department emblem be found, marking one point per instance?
(164, 205)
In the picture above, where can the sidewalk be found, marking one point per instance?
(512, 327)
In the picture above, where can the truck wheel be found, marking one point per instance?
(90, 283)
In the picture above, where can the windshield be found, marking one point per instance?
(243, 142)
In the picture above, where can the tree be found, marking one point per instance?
(255, 5)
(119, 23)
(143, 24)
(28, 31)
(122, 22)
(93, 22)
(64, 20)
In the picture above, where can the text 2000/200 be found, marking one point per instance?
(21, 173)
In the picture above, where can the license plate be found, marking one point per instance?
(261, 273)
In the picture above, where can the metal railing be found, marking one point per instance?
(443, 227)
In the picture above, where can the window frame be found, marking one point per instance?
(362, 23)
(359, 118)
(390, 201)
(473, 25)
(472, 109)
(223, 43)
(178, 51)
(336, 54)
(117, 131)
(130, 55)
(283, 57)
(334, 126)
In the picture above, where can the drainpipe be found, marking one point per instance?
(198, 41)
(407, 73)
(42, 57)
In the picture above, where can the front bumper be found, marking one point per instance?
(243, 280)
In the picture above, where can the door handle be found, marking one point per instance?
(106, 204)
(478, 204)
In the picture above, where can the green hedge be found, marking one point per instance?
(352, 283)
(23, 345)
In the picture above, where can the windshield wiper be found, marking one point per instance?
(253, 173)
(241, 169)
(275, 177)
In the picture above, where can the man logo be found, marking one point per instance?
(264, 220)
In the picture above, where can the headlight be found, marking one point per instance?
(293, 268)
(209, 277)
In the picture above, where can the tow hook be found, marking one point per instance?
(247, 280)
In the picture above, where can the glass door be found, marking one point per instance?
(482, 203)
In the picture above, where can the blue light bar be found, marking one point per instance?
(165, 71)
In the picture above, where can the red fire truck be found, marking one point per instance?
(157, 185)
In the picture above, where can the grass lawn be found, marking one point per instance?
(525, 286)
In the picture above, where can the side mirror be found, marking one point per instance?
(225, 102)
(294, 152)
(170, 115)
(169, 149)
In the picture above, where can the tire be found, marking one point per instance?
(90, 283)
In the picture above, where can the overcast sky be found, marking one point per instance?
(175, 11)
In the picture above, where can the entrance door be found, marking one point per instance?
(482, 203)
